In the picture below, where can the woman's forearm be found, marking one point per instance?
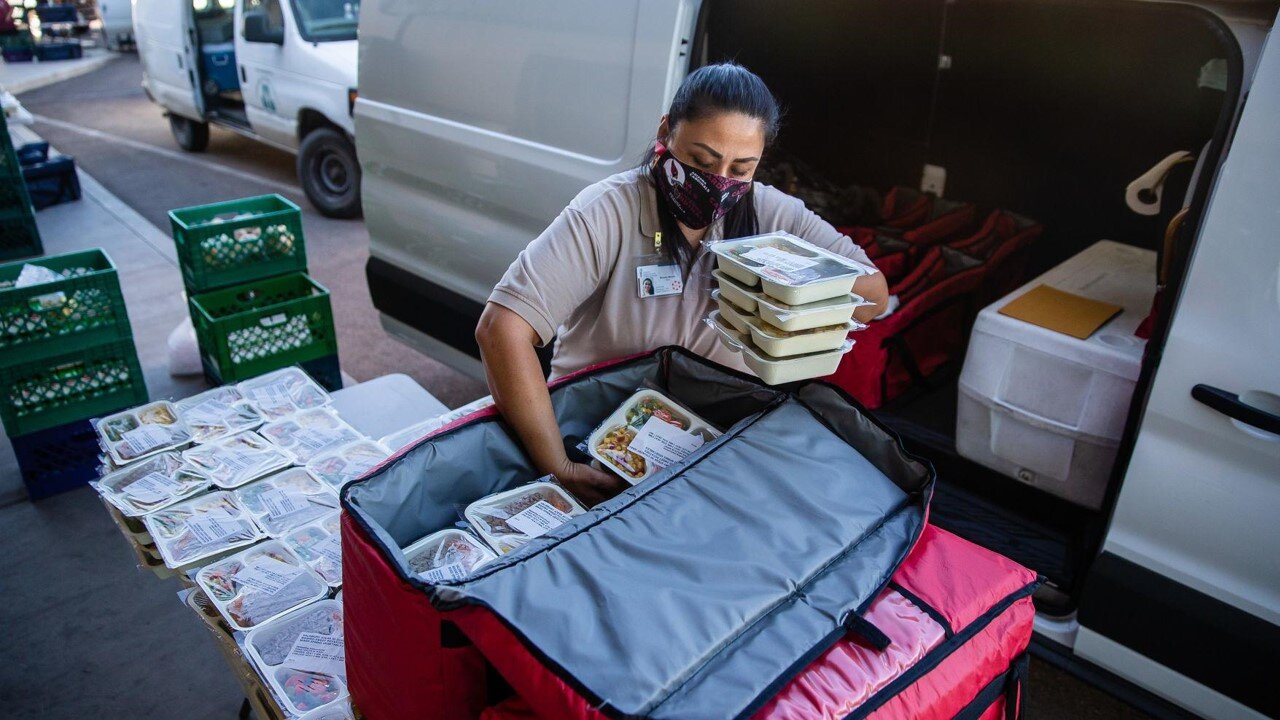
(519, 389)
(874, 288)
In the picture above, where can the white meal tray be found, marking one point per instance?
(146, 430)
(203, 527)
(259, 584)
(217, 413)
(781, 344)
(318, 684)
(611, 441)
(284, 392)
(151, 484)
(777, 371)
(237, 459)
(528, 504)
(287, 500)
(790, 269)
(447, 555)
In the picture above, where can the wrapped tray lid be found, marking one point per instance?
(237, 459)
(510, 519)
(217, 413)
(307, 434)
(341, 466)
(447, 555)
(790, 269)
(199, 528)
(319, 545)
(145, 430)
(256, 585)
(646, 433)
(152, 484)
(287, 500)
(284, 392)
(302, 658)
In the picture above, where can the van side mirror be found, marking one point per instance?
(257, 28)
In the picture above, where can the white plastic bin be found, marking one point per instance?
(1046, 408)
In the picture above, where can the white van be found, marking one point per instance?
(117, 23)
(280, 71)
(1167, 590)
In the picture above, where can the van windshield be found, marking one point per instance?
(325, 20)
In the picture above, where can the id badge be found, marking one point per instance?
(659, 280)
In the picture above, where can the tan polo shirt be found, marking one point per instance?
(577, 281)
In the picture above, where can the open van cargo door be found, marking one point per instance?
(167, 47)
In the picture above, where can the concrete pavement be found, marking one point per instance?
(21, 77)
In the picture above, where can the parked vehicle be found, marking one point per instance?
(117, 23)
(1165, 586)
(282, 72)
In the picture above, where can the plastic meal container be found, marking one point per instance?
(217, 413)
(742, 297)
(238, 459)
(824, 313)
(490, 517)
(610, 442)
(287, 500)
(447, 555)
(151, 484)
(776, 371)
(319, 545)
(307, 434)
(145, 430)
(780, 343)
(735, 317)
(284, 392)
(200, 528)
(339, 710)
(301, 685)
(341, 466)
(790, 269)
(257, 585)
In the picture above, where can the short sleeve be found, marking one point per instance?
(555, 274)
(780, 211)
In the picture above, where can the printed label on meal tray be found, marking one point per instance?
(317, 439)
(267, 574)
(450, 572)
(313, 652)
(152, 488)
(330, 549)
(280, 503)
(779, 259)
(237, 461)
(270, 396)
(663, 444)
(210, 529)
(145, 437)
(207, 412)
(540, 518)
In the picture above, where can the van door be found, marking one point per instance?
(1185, 599)
(166, 45)
(262, 82)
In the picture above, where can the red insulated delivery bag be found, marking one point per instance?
(784, 569)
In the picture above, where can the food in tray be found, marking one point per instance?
(510, 519)
(306, 690)
(284, 392)
(648, 432)
(307, 434)
(319, 545)
(200, 527)
(237, 459)
(256, 585)
(301, 656)
(133, 434)
(151, 484)
(614, 445)
(789, 260)
(447, 555)
(341, 466)
(218, 413)
(287, 500)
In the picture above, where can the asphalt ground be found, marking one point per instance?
(99, 637)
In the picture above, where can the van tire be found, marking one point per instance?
(330, 173)
(190, 135)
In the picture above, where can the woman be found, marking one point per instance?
(624, 269)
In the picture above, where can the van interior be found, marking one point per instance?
(1045, 109)
(219, 81)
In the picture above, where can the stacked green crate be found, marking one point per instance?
(18, 234)
(66, 355)
(252, 304)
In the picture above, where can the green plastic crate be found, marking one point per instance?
(265, 243)
(264, 325)
(85, 308)
(19, 237)
(41, 394)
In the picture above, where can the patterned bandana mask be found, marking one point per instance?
(694, 197)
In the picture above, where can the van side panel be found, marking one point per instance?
(161, 30)
(464, 107)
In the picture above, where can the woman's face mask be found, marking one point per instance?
(696, 198)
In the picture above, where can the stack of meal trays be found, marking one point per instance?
(786, 305)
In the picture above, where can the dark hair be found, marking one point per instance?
(724, 87)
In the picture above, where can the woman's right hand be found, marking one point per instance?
(588, 484)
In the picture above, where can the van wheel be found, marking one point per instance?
(330, 173)
(190, 135)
